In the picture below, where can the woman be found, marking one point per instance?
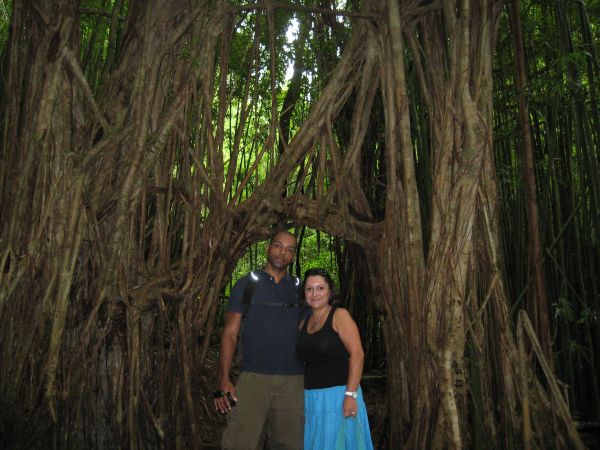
(329, 344)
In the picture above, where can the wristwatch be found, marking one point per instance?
(352, 394)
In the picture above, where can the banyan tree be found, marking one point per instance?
(147, 143)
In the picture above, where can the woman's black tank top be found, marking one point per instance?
(324, 355)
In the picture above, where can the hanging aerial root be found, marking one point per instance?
(524, 326)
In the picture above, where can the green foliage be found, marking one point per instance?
(563, 310)
(5, 15)
(250, 63)
(318, 251)
(95, 37)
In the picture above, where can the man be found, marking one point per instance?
(268, 395)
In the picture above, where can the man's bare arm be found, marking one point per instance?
(229, 338)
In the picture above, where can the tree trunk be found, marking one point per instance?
(539, 305)
(124, 215)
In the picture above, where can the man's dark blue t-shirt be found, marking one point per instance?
(269, 332)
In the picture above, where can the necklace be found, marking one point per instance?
(315, 322)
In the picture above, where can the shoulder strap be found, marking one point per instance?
(246, 300)
(329, 320)
(249, 290)
(305, 324)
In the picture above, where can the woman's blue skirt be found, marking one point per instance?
(325, 427)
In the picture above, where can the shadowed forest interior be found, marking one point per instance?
(441, 158)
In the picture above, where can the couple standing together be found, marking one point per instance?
(300, 374)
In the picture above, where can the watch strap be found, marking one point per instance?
(353, 394)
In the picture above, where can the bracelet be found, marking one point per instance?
(218, 394)
(352, 394)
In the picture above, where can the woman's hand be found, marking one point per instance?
(350, 407)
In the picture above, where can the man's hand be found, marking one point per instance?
(222, 403)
